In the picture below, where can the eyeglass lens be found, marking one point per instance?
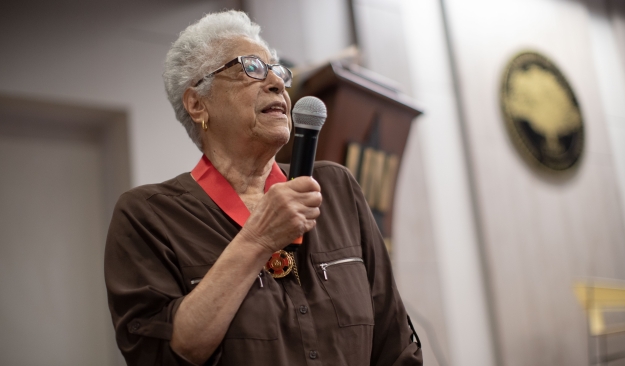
(257, 69)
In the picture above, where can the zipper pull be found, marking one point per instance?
(324, 266)
(260, 280)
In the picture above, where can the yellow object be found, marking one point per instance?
(539, 97)
(597, 299)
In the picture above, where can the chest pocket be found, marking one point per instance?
(258, 314)
(343, 275)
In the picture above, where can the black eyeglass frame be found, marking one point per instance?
(239, 60)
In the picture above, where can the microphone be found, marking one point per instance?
(309, 114)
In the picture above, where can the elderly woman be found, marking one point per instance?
(187, 270)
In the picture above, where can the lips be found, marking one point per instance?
(275, 107)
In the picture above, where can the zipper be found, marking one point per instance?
(260, 279)
(324, 266)
(195, 281)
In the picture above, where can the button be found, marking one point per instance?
(312, 354)
(135, 326)
(303, 309)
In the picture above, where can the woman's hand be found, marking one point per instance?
(286, 212)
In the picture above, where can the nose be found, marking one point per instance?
(274, 83)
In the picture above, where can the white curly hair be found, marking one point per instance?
(200, 49)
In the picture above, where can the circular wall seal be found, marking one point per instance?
(541, 112)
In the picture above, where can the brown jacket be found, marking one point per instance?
(163, 238)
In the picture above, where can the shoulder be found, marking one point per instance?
(135, 214)
(328, 172)
(336, 181)
(331, 171)
(325, 170)
(139, 196)
(328, 165)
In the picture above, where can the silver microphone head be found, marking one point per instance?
(309, 112)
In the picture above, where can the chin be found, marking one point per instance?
(282, 139)
(276, 138)
(282, 132)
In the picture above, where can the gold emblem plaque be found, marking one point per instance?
(541, 112)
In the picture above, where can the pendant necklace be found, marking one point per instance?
(221, 192)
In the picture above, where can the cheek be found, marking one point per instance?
(287, 99)
(243, 106)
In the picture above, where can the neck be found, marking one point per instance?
(246, 173)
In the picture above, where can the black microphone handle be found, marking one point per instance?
(302, 160)
(304, 150)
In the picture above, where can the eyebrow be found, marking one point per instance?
(272, 60)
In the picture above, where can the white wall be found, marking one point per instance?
(104, 54)
(405, 41)
(606, 31)
(446, 172)
(53, 309)
(541, 232)
(303, 31)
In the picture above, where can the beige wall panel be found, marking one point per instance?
(607, 36)
(54, 308)
(617, 15)
(107, 54)
(415, 260)
(540, 233)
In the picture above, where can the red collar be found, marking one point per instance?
(222, 193)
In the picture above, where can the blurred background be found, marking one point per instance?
(499, 260)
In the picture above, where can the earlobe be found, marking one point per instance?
(196, 107)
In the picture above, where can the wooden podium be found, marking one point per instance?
(366, 130)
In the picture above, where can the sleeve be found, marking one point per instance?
(144, 284)
(393, 334)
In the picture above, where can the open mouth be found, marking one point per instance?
(275, 108)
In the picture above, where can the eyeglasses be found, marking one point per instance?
(256, 69)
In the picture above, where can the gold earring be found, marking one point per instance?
(204, 126)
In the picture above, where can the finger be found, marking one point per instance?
(309, 199)
(312, 213)
(310, 224)
(309, 213)
(304, 184)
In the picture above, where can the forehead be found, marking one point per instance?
(246, 47)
